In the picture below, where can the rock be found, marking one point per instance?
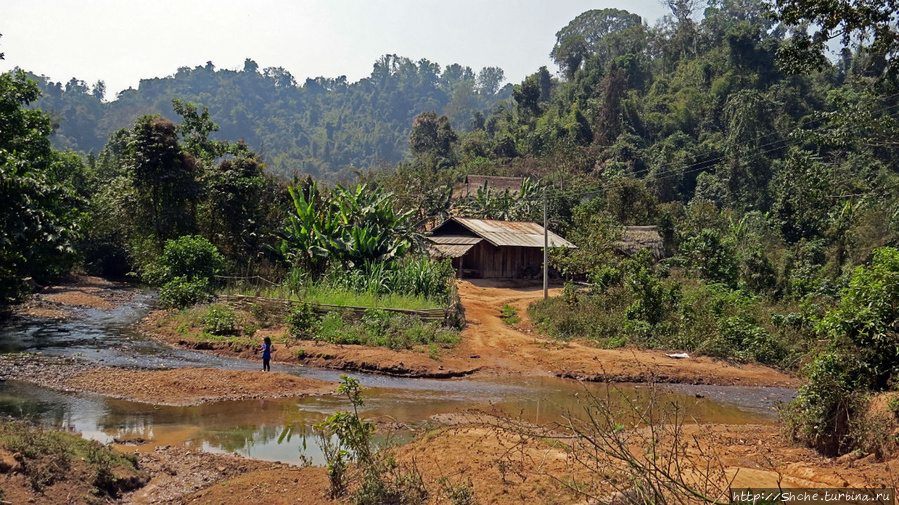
(8, 463)
(847, 459)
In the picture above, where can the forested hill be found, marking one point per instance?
(321, 127)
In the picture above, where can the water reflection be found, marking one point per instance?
(254, 428)
(279, 430)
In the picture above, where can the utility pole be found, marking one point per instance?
(545, 250)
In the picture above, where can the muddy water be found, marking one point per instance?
(274, 429)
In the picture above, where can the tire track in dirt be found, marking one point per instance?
(503, 349)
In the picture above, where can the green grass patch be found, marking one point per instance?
(380, 328)
(708, 319)
(325, 295)
(346, 298)
(509, 314)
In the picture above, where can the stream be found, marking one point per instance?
(254, 428)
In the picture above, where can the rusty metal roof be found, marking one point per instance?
(450, 239)
(506, 233)
(449, 250)
(448, 246)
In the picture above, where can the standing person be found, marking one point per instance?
(266, 354)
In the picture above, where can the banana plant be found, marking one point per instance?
(351, 226)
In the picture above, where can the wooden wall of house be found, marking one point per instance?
(487, 261)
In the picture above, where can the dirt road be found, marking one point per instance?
(520, 349)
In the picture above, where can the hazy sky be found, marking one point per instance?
(123, 41)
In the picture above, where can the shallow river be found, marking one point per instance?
(255, 427)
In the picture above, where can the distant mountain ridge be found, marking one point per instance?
(325, 127)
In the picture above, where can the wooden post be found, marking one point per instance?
(545, 250)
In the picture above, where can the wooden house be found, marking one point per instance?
(492, 249)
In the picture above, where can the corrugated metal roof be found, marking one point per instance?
(449, 239)
(509, 233)
(449, 250)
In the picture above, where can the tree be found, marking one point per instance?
(165, 180)
(98, 90)
(712, 256)
(583, 37)
(195, 129)
(232, 216)
(868, 24)
(489, 79)
(38, 216)
(432, 136)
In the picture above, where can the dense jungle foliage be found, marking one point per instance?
(769, 170)
(325, 127)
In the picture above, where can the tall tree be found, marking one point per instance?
(38, 217)
(583, 37)
(165, 180)
(869, 24)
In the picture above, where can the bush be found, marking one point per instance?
(302, 320)
(821, 415)
(345, 436)
(182, 292)
(861, 359)
(191, 257)
(597, 317)
(220, 320)
(186, 271)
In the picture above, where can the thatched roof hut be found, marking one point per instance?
(635, 238)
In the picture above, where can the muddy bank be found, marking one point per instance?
(489, 347)
(178, 387)
(503, 463)
(178, 472)
(55, 302)
(417, 363)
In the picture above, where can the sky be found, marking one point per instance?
(124, 41)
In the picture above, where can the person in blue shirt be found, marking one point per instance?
(266, 354)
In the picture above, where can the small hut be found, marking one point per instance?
(493, 249)
(635, 238)
(472, 183)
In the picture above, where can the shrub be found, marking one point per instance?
(192, 257)
(712, 257)
(302, 320)
(182, 292)
(820, 416)
(334, 329)
(383, 481)
(220, 320)
(861, 358)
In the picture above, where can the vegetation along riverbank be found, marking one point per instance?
(719, 203)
